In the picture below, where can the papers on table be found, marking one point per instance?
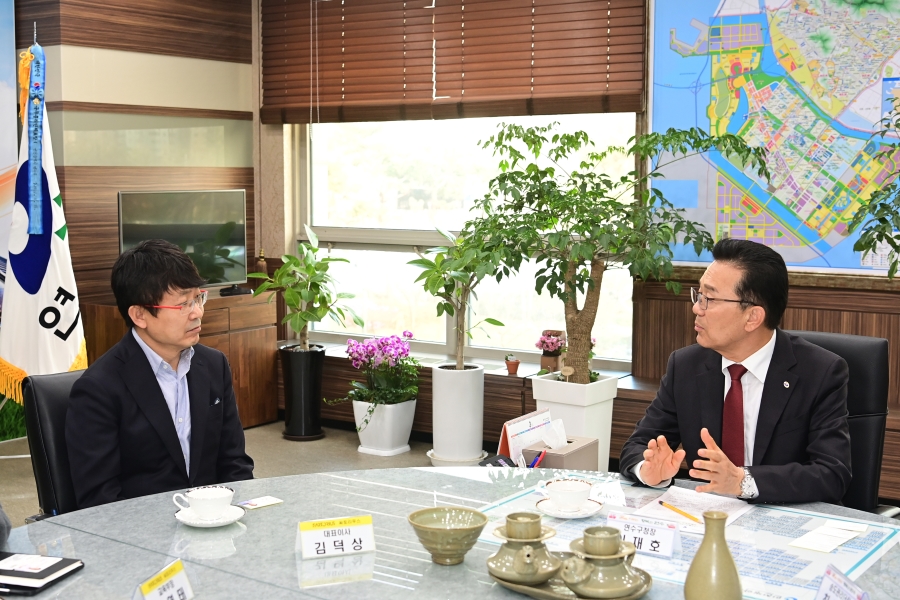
(609, 492)
(695, 504)
(829, 536)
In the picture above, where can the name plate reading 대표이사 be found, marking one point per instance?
(331, 537)
(170, 583)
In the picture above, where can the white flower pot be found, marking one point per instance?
(387, 433)
(586, 410)
(457, 415)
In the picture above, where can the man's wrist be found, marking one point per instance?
(637, 473)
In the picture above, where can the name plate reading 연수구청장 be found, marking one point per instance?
(330, 537)
(837, 586)
(649, 536)
(169, 584)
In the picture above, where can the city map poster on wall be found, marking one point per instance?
(809, 80)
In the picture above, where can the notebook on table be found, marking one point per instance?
(28, 574)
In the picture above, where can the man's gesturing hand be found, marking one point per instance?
(660, 462)
(723, 476)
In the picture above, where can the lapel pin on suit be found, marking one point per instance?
(216, 402)
(786, 384)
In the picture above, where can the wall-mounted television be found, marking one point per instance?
(209, 225)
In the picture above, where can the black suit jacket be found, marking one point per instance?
(120, 434)
(801, 452)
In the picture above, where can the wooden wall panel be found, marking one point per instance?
(252, 358)
(210, 29)
(90, 198)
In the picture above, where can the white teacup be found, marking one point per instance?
(208, 502)
(568, 495)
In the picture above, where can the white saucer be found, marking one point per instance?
(588, 509)
(231, 514)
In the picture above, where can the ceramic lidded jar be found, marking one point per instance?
(524, 558)
(713, 573)
(602, 566)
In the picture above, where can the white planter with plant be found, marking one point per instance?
(576, 224)
(586, 410)
(384, 406)
(451, 274)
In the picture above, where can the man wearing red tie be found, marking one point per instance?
(758, 413)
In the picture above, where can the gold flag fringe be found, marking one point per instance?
(80, 360)
(24, 82)
(11, 378)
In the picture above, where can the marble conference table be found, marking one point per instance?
(124, 543)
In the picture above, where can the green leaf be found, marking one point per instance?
(494, 322)
(313, 238)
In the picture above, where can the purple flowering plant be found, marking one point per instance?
(392, 375)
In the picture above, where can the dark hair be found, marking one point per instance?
(764, 279)
(142, 275)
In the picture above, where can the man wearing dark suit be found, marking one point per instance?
(775, 429)
(157, 411)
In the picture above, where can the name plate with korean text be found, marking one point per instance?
(649, 536)
(335, 537)
(169, 584)
(837, 586)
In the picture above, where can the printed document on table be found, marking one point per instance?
(693, 503)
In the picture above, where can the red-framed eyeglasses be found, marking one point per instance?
(187, 306)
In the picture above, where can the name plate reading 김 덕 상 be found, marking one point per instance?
(649, 536)
(169, 584)
(330, 537)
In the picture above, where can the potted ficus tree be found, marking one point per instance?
(384, 405)
(309, 297)
(451, 274)
(576, 224)
(879, 216)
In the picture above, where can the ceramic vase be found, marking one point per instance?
(302, 391)
(585, 409)
(388, 429)
(457, 415)
(713, 573)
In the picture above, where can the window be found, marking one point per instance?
(387, 297)
(378, 191)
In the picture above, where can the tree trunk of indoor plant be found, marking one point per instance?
(580, 322)
(302, 392)
(461, 308)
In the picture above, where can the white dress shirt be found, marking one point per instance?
(752, 382)
(175, 390)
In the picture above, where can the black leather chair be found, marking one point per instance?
(867, 397)
(46, 403)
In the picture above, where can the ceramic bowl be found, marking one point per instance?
(448, 532)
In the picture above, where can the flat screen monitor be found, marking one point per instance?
(209, 225)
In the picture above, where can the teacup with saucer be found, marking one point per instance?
(568, 498)
(208, 506)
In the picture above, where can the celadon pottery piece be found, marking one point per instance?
(524, 558)
(448, 532)
(713, 573)
(602, 566)
(556, 589)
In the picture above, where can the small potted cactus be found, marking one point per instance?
(512, 364)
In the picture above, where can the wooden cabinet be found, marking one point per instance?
(241, 327)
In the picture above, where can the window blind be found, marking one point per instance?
(376, 60)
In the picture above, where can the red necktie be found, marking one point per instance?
(733, 417)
